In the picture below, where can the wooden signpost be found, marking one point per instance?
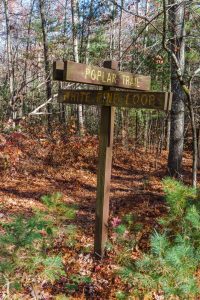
(139, 97)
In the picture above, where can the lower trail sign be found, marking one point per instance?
(151, 100)
(139, 97)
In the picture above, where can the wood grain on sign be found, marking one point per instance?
(151, 100)
(82, 73)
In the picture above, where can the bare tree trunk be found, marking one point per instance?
(88, 32)
(26, 61)
(120, 34)
(65, 32)
(62, 107)
(176, 25)
(10, 62)
(124, 112)
(74, 4)
(146, 130)
(136, 128)
(147, 27)
(136, 11)
(177, 54)
(198, 135)
(195, 142)
(124, 117)
(168, 132)
(46, 60)
(112, 31)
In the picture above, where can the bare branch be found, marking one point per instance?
(137, 15)
(141, 31)
(164, 42)
(35, 111)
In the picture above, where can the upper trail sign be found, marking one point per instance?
(139, 97)
(81, 73)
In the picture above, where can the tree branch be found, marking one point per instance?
(35, 111)
(136, 15)
(141, 31)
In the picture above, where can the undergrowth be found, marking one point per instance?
(169, 270)
(27, 245)
(31, 250)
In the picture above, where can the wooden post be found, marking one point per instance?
(104, 173)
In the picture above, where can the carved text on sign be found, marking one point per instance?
(82, 73)
(154, 100)
(110, 77)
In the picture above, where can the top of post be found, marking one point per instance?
(111, 64)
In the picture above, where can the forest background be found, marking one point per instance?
(153, 38)
(42, 139)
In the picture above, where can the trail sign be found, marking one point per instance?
(139, 97)
(82, 73)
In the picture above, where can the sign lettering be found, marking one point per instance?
(151, 100)
(82, 73)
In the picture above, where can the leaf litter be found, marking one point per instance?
(34, 167)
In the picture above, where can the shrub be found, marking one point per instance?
(27, 244)
(22, 240)
(170, 266)
(55, 205)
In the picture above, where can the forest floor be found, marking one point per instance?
(34, 167)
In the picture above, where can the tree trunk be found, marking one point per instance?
(124, 112)
(120, 34)
(88, 32)
(195, 142)
(168, 132)
(176, 26)
(146, 131)
(125, 119)
(76, 57)
(10, 62)
(198, 135)
(46, 61)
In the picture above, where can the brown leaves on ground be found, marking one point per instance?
(31, 168)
